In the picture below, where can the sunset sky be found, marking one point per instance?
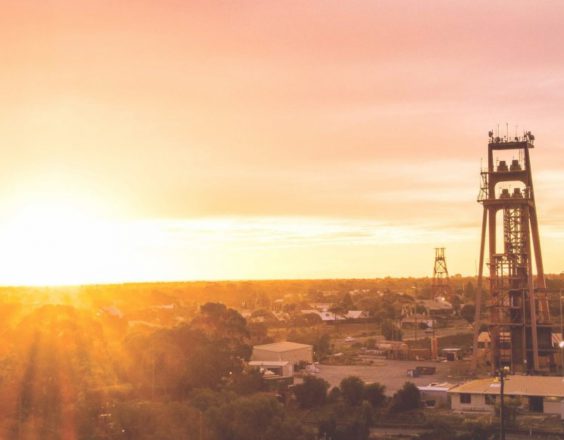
(180, 140)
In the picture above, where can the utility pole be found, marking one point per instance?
(561, 343)
(501, 375)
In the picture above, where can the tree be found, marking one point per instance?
(346, 302)
(406, 399)
(374, 393)
(468, 312)
(249, 381)
(206, 353)
(390, 331)
(352, 389)
(456, 303)
(311, 392)
(469, 292)
(256, 417)
(334, 394)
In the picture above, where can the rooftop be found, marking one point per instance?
(548, 386)
(434, 386)
(268, 363)
(282, 346)
(432, 304)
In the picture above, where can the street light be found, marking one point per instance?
(561, 345)
(501, 377)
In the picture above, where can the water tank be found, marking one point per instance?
(502, 166)
(517, 194)
(515, 165)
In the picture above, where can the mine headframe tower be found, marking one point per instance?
(440, 286)
(519, 320)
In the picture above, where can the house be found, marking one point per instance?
(436, 308)
(321, 307)
(357, 315)
(544, 394)
(452, 354)
(325, 316)
(435, 394)
(292, 352)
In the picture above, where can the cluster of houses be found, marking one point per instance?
(537, 394)
(414, 313)
(541, 394)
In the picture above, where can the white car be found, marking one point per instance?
(349, 339)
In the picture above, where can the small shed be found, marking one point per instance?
(274, 369)
(452, 354)
(435, 394)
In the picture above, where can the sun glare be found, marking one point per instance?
(54, 241)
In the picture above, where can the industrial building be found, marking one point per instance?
(543, 394)
(291, 352)
(519, 319)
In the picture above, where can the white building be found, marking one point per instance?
(537, 393)
(435, 394)
(274, 369)
(283, 351)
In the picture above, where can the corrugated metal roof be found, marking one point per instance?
(282, 346)
(444, 386)
(268, 363)
(545, 386)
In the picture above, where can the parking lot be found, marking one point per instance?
(391, 373)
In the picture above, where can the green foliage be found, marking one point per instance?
(374, 394)
(256, 417)
(148, 421)
(334, 394)
(468, 312)
(440, 431)
(354, 426)
(204, 398)
(405, 399)
(469, 292)
(390, 331)
(346, 302)
(510, 406)
(311, 392)
(248, 382)
(206, 353)
(320, 341)
(352, 389)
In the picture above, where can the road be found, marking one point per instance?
(391, 373)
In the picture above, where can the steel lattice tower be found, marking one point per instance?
(440, 286)
(519, 320)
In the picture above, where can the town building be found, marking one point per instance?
(435, 394)
(275, 371)
(291, 352)
(543, 394)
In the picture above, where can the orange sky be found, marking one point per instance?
(266, 139)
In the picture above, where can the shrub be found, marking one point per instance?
(312, 392)
(374, 394)
(352, 388)
(406, 399)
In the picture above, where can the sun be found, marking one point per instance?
(55, 240)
